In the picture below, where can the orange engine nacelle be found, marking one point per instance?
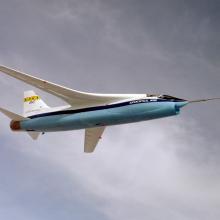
(15, 125)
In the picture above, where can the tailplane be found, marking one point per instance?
(12, 115)
(33, 103)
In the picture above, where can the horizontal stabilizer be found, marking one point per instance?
(12, 116)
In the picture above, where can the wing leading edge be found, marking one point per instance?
(73, 97)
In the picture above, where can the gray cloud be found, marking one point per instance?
(159, 169)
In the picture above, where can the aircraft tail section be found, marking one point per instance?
(34, 134)
(15, 123)
(33, 103)
(12, 115)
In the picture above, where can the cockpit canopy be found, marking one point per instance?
(170, 98)
(166, 97)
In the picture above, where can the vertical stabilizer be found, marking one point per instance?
(33, 104)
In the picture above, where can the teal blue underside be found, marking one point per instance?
(112, 116)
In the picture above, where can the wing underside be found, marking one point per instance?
(92, 137)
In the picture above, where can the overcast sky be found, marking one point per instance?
(162, 169)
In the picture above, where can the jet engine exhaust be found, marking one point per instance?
(15, 125)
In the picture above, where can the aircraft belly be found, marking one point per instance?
(104, 117)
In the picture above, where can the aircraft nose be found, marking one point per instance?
(179, 105)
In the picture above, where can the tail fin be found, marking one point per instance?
(33, 103)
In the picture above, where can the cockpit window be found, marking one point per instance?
(171, 98)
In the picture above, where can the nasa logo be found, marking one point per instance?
(31, 99)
